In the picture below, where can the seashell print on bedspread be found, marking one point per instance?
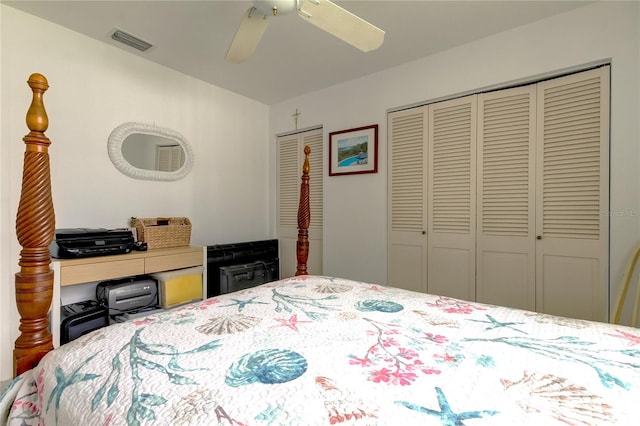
(323, 351)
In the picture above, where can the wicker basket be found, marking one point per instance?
(161, 232)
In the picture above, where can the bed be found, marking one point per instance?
(307, 350)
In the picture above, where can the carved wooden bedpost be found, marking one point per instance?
(35, 226)
(304, 217)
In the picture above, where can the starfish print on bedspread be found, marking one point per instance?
(446, 415)
(494, 324)
(292, 322)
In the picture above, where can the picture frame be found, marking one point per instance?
(353, 151)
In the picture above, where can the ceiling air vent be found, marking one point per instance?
(130, 40)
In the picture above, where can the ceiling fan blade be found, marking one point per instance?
(248, 36)
(343, 24)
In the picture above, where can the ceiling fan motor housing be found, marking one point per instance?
(326, 15)
(276, 7)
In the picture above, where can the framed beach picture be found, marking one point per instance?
(353, 151)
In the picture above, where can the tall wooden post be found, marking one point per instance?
(304, 218)
(35, 226)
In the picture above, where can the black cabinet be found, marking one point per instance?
(236, 266)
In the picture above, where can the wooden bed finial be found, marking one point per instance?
(304, 217)
(35, 226)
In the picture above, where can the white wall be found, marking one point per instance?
(94, 88)
(355, 212)
(6, 282)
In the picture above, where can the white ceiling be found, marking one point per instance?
(293, 57)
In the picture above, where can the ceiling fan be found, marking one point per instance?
(324, 14)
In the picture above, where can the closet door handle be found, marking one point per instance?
(539, 237)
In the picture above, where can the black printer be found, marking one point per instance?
(88, 242)
(81, 318)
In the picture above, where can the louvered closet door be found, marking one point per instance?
(572, 199)
(290, 160)
(169, 158)
(452, 198)
(407, 254)
(506, 198)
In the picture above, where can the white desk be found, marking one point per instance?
(68, 272)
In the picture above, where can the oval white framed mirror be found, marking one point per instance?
(148, 152)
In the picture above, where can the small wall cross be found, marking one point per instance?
(295, 116)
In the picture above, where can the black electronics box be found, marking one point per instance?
(239, 254)
(80, 318)
(240, 277)
(89, 242)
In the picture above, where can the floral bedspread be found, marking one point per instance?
(319, 350)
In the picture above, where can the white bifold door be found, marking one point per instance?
(514, 185)
(407, 207)
(451, 195)
(572, 197)
(506, 197)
